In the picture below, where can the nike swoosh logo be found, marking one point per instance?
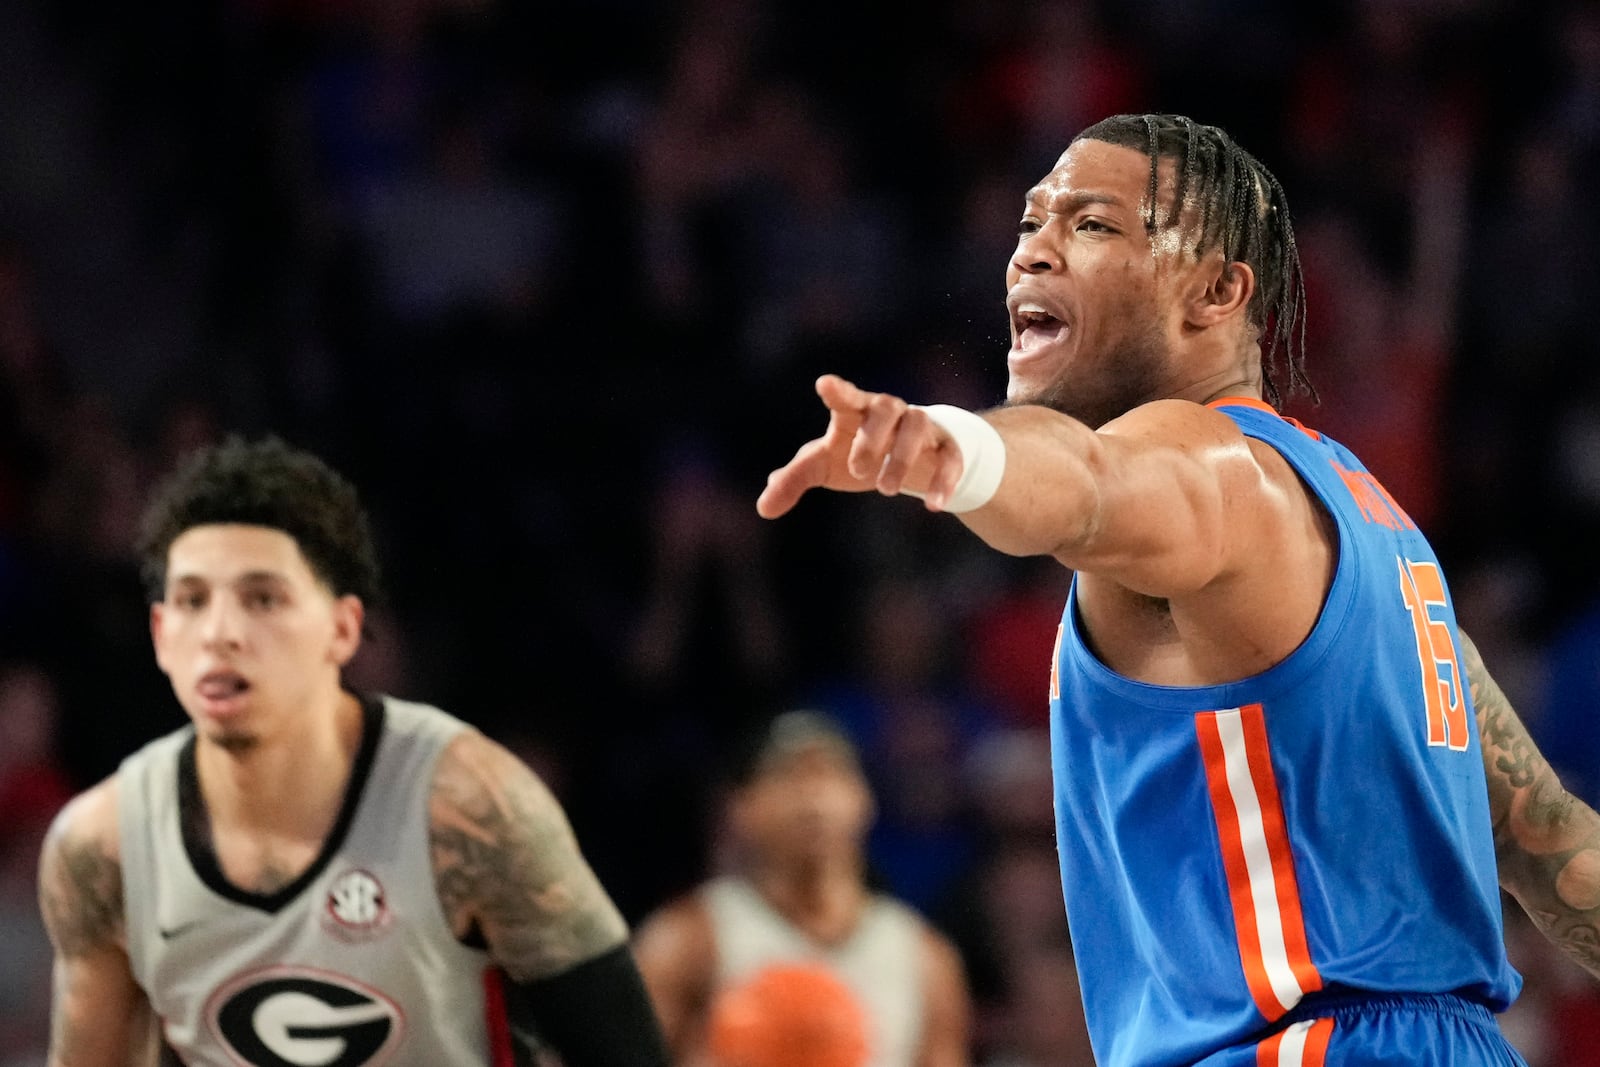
(167, 934)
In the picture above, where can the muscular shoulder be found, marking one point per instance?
(483, 801)
(80, 874)
(469, 768)
(1264, 491)
(507, 865)
(1203, 433)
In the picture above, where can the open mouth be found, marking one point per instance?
(222, 685)
(1035, 328)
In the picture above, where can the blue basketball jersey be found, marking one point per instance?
(1229, 851)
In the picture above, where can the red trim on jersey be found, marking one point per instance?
(496, 1021)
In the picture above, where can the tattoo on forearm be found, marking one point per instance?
(1546, 839)
(1582, 942)
(504, 856)
(80, 896)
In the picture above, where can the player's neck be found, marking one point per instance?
(290, 783)
(1232, 380)
(823, 899)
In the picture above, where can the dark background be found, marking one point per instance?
(551, 284)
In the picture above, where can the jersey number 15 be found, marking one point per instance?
(1422, 588)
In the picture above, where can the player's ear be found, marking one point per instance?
(157, 631)
(349, 615)
(1223, 290)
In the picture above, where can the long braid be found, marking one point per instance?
(1153, 151)
(1244, 211)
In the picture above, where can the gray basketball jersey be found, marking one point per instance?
(351, 964)
(881, 962)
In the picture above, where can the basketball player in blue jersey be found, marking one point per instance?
(1278, 837)
(306, 874)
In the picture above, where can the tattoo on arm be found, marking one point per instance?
(80, 894)
(98, 1014)
(505, 859)
(1547, 841)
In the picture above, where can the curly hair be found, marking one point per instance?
(264, 483)
(1243, 211)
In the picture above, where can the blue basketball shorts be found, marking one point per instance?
(1378, 1030)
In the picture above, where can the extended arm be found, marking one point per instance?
(507, 865)
(99, 1017)
(1164, 500)
(1547, 841)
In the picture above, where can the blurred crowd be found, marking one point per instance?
(552, 286)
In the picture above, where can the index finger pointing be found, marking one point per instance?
(842, 395)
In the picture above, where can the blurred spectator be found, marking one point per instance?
(455, 231)
(1381, 342)
(1552, 1023)
(695, 157)
(710, 632)
(907, 710)
(33, 784)
(1012, 638)
(1043, 1024)
(25, 964)
(1566, 716)
(1055, 72)
(824, 270)
(1007, 903)
(33, 787)
(1576, 106)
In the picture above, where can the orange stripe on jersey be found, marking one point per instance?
(1304, 1044)
(1317, 1039)
(1262, 405)
(1257, 859)
(1238, 870)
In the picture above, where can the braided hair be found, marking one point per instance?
(1244, 212)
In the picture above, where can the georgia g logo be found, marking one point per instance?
(298, 1017)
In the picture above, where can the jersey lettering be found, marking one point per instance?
(1374, 500)
(1422, 589)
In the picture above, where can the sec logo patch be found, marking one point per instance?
(357, 908)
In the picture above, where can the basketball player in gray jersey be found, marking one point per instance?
(797, 893)
(304, 875)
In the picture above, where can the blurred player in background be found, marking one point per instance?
(1277, 838)
(306, 874)
(791, 959)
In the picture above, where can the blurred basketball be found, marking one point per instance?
(792, 1015)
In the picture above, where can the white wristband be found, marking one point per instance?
(983, 455)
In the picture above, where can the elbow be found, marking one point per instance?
(1549, 853)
